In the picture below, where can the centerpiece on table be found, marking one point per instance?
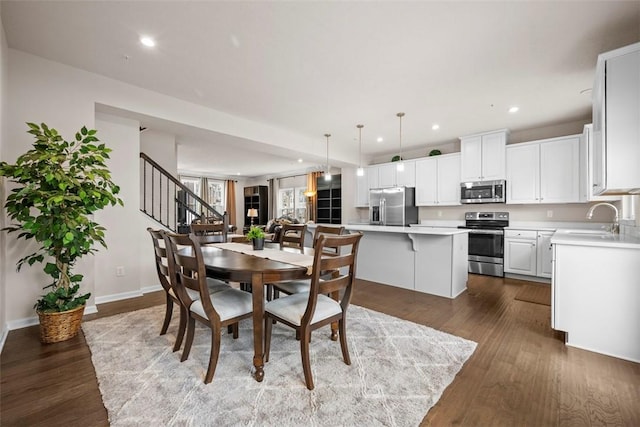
(256, 235)
(61, 184)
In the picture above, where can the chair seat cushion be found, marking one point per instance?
(214, 285)
(293, 286)
(291, 308)
(228, 304)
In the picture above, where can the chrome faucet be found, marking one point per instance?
(615, 227)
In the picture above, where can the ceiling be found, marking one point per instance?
(318, 67)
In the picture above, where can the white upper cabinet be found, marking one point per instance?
(387, 175)
(483, 156)
(390, 176)
(546, 171)
(373, 178)
(591, 169)
(438, 180)
(616, 122)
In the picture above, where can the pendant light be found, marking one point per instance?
(360, 171)
(400, 165)
(327, 173)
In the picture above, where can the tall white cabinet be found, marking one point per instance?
(546, 171)
(483, 156)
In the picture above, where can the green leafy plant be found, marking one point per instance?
(60, 184)
(255, 233)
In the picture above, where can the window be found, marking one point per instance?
(293, 203)
(210, 190)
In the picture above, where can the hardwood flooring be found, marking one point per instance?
(520, 374)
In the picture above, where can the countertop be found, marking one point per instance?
(440, 231)
(577, 237)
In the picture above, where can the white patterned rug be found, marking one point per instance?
(399, 371)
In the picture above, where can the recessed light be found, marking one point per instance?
(147, 41)
(299, 160)
(513, 109)
(380, 139)
(238, 173)
(435, 126)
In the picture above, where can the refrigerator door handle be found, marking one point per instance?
(383, 211)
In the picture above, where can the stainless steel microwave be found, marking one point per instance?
(483, 191)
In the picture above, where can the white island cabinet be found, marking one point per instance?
(595, 292)
(430, 260)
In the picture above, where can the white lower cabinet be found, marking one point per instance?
(544, 254)
(520, 253)
(528, 252)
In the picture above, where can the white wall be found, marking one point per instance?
(121, 222)
(4, 78)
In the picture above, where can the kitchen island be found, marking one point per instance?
(430, 260)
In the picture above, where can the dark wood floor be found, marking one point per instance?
(520, 374)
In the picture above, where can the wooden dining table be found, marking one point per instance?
(229, 265)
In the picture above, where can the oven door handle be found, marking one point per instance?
(494, 232)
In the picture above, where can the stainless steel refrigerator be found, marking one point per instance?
(392, 206)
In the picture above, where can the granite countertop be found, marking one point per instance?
(598, 238)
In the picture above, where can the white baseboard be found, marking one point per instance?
(118, 297)
(3, 338)
(527, 278)
(90, 309)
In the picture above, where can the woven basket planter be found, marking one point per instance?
(56, 327)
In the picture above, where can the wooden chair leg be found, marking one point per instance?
(215, 351)
(268, 325)
(236, 330)
(343, 341)
(167, 315)
(191, 327)
(184, 317)
(269, 292)
(306, 363)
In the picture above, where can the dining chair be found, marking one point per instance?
(210, 232)
(162, 253)
(215, 310)
(290, 287)
(293, 235)
(307, 311)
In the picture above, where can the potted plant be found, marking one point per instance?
(256, 235)
(60, 185)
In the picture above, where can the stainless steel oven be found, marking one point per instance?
(486, 242)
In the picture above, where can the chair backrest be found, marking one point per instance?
(161, 257)
(292, 235)
(343, 264)
(210, 232)
(327, 230)
(189, 268)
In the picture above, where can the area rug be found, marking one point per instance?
(398, 372)
(538, 294)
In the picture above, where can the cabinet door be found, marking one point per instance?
(449, 180)
(387, 175)
(362, 189)
(373, 177)
(471, 160)
(493, 156)
(520, 256)
(544, 253)
(523, 173)
(426, 182)
(407, 177)
(560, 170)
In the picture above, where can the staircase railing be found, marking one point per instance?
(165, 199)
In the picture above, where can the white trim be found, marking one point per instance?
(22, 323)
(152, 288)
(118, 297)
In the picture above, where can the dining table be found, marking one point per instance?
(238, 262)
